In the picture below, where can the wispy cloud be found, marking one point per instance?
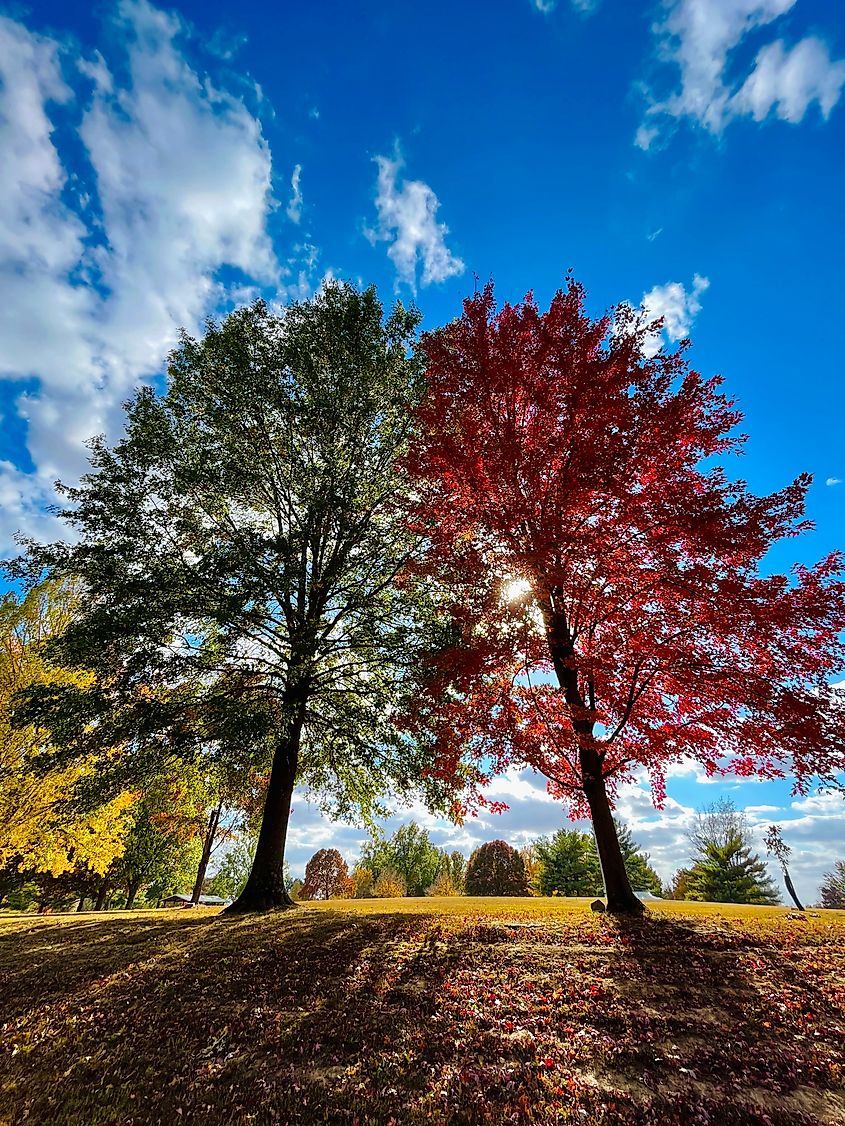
(407, 219)
(699, 38)
(833, 481)
(585, 7)
(294, 207)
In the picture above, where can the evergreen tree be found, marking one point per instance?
(832, 891)
(569, 864)
(728, 872)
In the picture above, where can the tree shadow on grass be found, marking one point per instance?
(729, 1016)
(40, 962)
(313, 1016)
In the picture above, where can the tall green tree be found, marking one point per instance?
(728, 872)
(409, 852)
(569, 864)
(243, 561)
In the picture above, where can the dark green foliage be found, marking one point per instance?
(496, 869)
(641, 874)
(724, 869)
(245, 569)
(569, 864)
(728, 872)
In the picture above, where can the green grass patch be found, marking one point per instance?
(425, 1011)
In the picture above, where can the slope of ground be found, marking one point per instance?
(435, 1011)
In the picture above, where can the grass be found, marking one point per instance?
(425, 1011)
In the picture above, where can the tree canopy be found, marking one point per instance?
(495, 869)
(601, 572)
(240, 558)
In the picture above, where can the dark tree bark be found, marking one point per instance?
(103, 891)
(617, 887)
(131, 891)
(81, 904)
(265, 888)
(790, 887)
(207, 846)
(618, 891)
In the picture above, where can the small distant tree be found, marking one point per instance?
(496, 869)
(776, 846)
(230, 878)
(295, 890)
(443, 885)
(531, 862)
(678, 886)
(326, 876)
(362, 882)
(390, 885)
(569, 864)
(724, 868)
(832, 891)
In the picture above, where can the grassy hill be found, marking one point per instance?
(425, 1011)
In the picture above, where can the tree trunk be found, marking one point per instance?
(81, 904)
(617, 887)
(265, 888)
(131, 892)
(790, 887)
(101, 895)
(207, 846)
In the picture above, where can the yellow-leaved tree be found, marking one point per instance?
(40, 829)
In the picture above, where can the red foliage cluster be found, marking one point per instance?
(556, 451)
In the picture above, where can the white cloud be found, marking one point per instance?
(548, 6)
(407, 219)
(677, 306)
(94, 293)
(700, 37)
(294, 207)
(790, 81)
(833, 481)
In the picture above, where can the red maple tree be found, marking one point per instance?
(602, 574)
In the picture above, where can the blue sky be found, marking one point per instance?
(163, 162)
